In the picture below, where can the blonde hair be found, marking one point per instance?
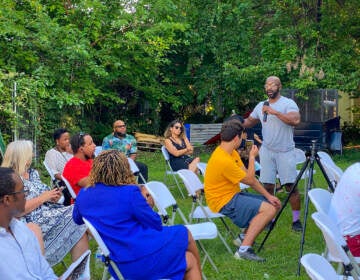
(18, 156)
(111, 168)
(167, 133)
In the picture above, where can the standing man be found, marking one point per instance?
(278, 116)
(77, 169)
(125, 143)
(20, 252)
(224, 172)
(57, 157)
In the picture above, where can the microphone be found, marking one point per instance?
(266, 103)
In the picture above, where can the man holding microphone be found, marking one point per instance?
(278, 116)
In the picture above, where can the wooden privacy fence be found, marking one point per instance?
(200, 133)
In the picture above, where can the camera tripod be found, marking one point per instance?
(311, 157)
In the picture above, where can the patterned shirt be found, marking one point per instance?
(126, 145)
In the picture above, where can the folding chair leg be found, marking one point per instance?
(225, 243)
(228, 228)
(105, 273)
(178, 186)
(206, 256)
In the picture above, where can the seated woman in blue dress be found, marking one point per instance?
(139, 244)
(179, 148)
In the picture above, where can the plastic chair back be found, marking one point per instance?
(191, 181)
(318, 268)
(69, 187)
(202, 167)
(321, 199)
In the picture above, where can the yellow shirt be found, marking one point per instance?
(223, 175)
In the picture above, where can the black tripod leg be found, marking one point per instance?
(317, 158)
(306, 209)
(272, 225)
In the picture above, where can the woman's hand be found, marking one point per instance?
(52, 195)
(149, 199)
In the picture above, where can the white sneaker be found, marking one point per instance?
(249, 254)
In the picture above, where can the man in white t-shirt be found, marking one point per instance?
(278, 116)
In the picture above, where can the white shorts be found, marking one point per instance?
(282, 164)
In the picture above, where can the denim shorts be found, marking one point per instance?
(242, 208)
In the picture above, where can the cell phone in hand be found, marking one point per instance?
(248, 145)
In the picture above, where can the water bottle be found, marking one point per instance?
(98, 258)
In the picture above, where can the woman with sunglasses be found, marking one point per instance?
(179, 148)
(61, 235)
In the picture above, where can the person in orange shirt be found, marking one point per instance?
(224, 172)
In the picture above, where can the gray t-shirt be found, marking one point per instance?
(277, 135)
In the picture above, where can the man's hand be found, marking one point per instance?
(274, 201)
(254, 151)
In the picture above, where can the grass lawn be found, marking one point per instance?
(281, 249)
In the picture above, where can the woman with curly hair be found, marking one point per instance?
(139, 244)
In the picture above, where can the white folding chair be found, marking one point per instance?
(202, 167)
(338, 250)
(54, 181)
(195, 189)
(105, 251)
(333, 172)
(318, 268)
(79, 267)
(98, 150)
(169, 171)
(321, 199)
(69, 187)
(135, 169)
(164, 199)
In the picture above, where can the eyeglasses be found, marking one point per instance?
(22, 191)
(177, 127)
(120, 126)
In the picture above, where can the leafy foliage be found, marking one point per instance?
(83, 64)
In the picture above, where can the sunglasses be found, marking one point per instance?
(81, 138)
(177, 127)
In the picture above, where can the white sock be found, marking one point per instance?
(243, 249)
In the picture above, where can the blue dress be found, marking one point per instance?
(138, 242)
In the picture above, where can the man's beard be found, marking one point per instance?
(87, 157)
(119, 134)
(273, 95)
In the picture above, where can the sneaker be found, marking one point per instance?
(237, 242)
(249, 254)
(297, 226)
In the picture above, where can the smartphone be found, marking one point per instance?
(248, 145)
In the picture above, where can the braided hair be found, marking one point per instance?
(111, 167)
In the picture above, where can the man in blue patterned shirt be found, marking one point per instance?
(125, 143)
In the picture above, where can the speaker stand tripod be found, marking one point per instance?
(311, 158)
